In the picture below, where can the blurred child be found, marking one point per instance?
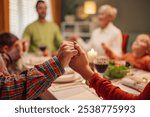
(139, 57)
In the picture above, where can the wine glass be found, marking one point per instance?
(43, 49)
(101, 63)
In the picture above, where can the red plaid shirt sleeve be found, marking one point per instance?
(30, 83)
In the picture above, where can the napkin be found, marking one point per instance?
(137, 81)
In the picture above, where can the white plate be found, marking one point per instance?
(68, 70)
(67, 78)
(30, 60)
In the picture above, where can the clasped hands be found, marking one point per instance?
(70, 53)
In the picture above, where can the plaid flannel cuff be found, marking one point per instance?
(54, 67)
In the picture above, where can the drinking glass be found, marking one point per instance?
(42, 48)
(101, 63)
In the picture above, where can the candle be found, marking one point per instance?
(92, 54)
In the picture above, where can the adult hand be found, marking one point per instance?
(66, 52)
(108, 51)
(106, 48)
(80, 63)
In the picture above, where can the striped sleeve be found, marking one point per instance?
(30, 83)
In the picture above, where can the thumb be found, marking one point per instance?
(74, 53)
(80, 50)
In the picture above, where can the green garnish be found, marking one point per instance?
(116, 72)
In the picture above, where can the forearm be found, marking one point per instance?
(105, 89)
(148, 65)
(86, 73)
(112, 55)
(30, 83)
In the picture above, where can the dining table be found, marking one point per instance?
(71, 85)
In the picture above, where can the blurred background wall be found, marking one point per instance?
(4, 15)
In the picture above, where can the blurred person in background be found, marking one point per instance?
(139, 57)
(42, 33)
(79, 13)
(107, 33)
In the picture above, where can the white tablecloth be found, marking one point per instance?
(133, 83)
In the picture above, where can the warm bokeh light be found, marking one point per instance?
(90, 7)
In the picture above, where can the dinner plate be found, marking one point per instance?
(68, 70)
(31, 61)
(67, 78)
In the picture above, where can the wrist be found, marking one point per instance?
(57, 62)
(60, 61)
(87, 73)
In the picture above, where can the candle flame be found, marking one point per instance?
(92, 50)
(92, 54)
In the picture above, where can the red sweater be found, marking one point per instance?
(105, 89)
